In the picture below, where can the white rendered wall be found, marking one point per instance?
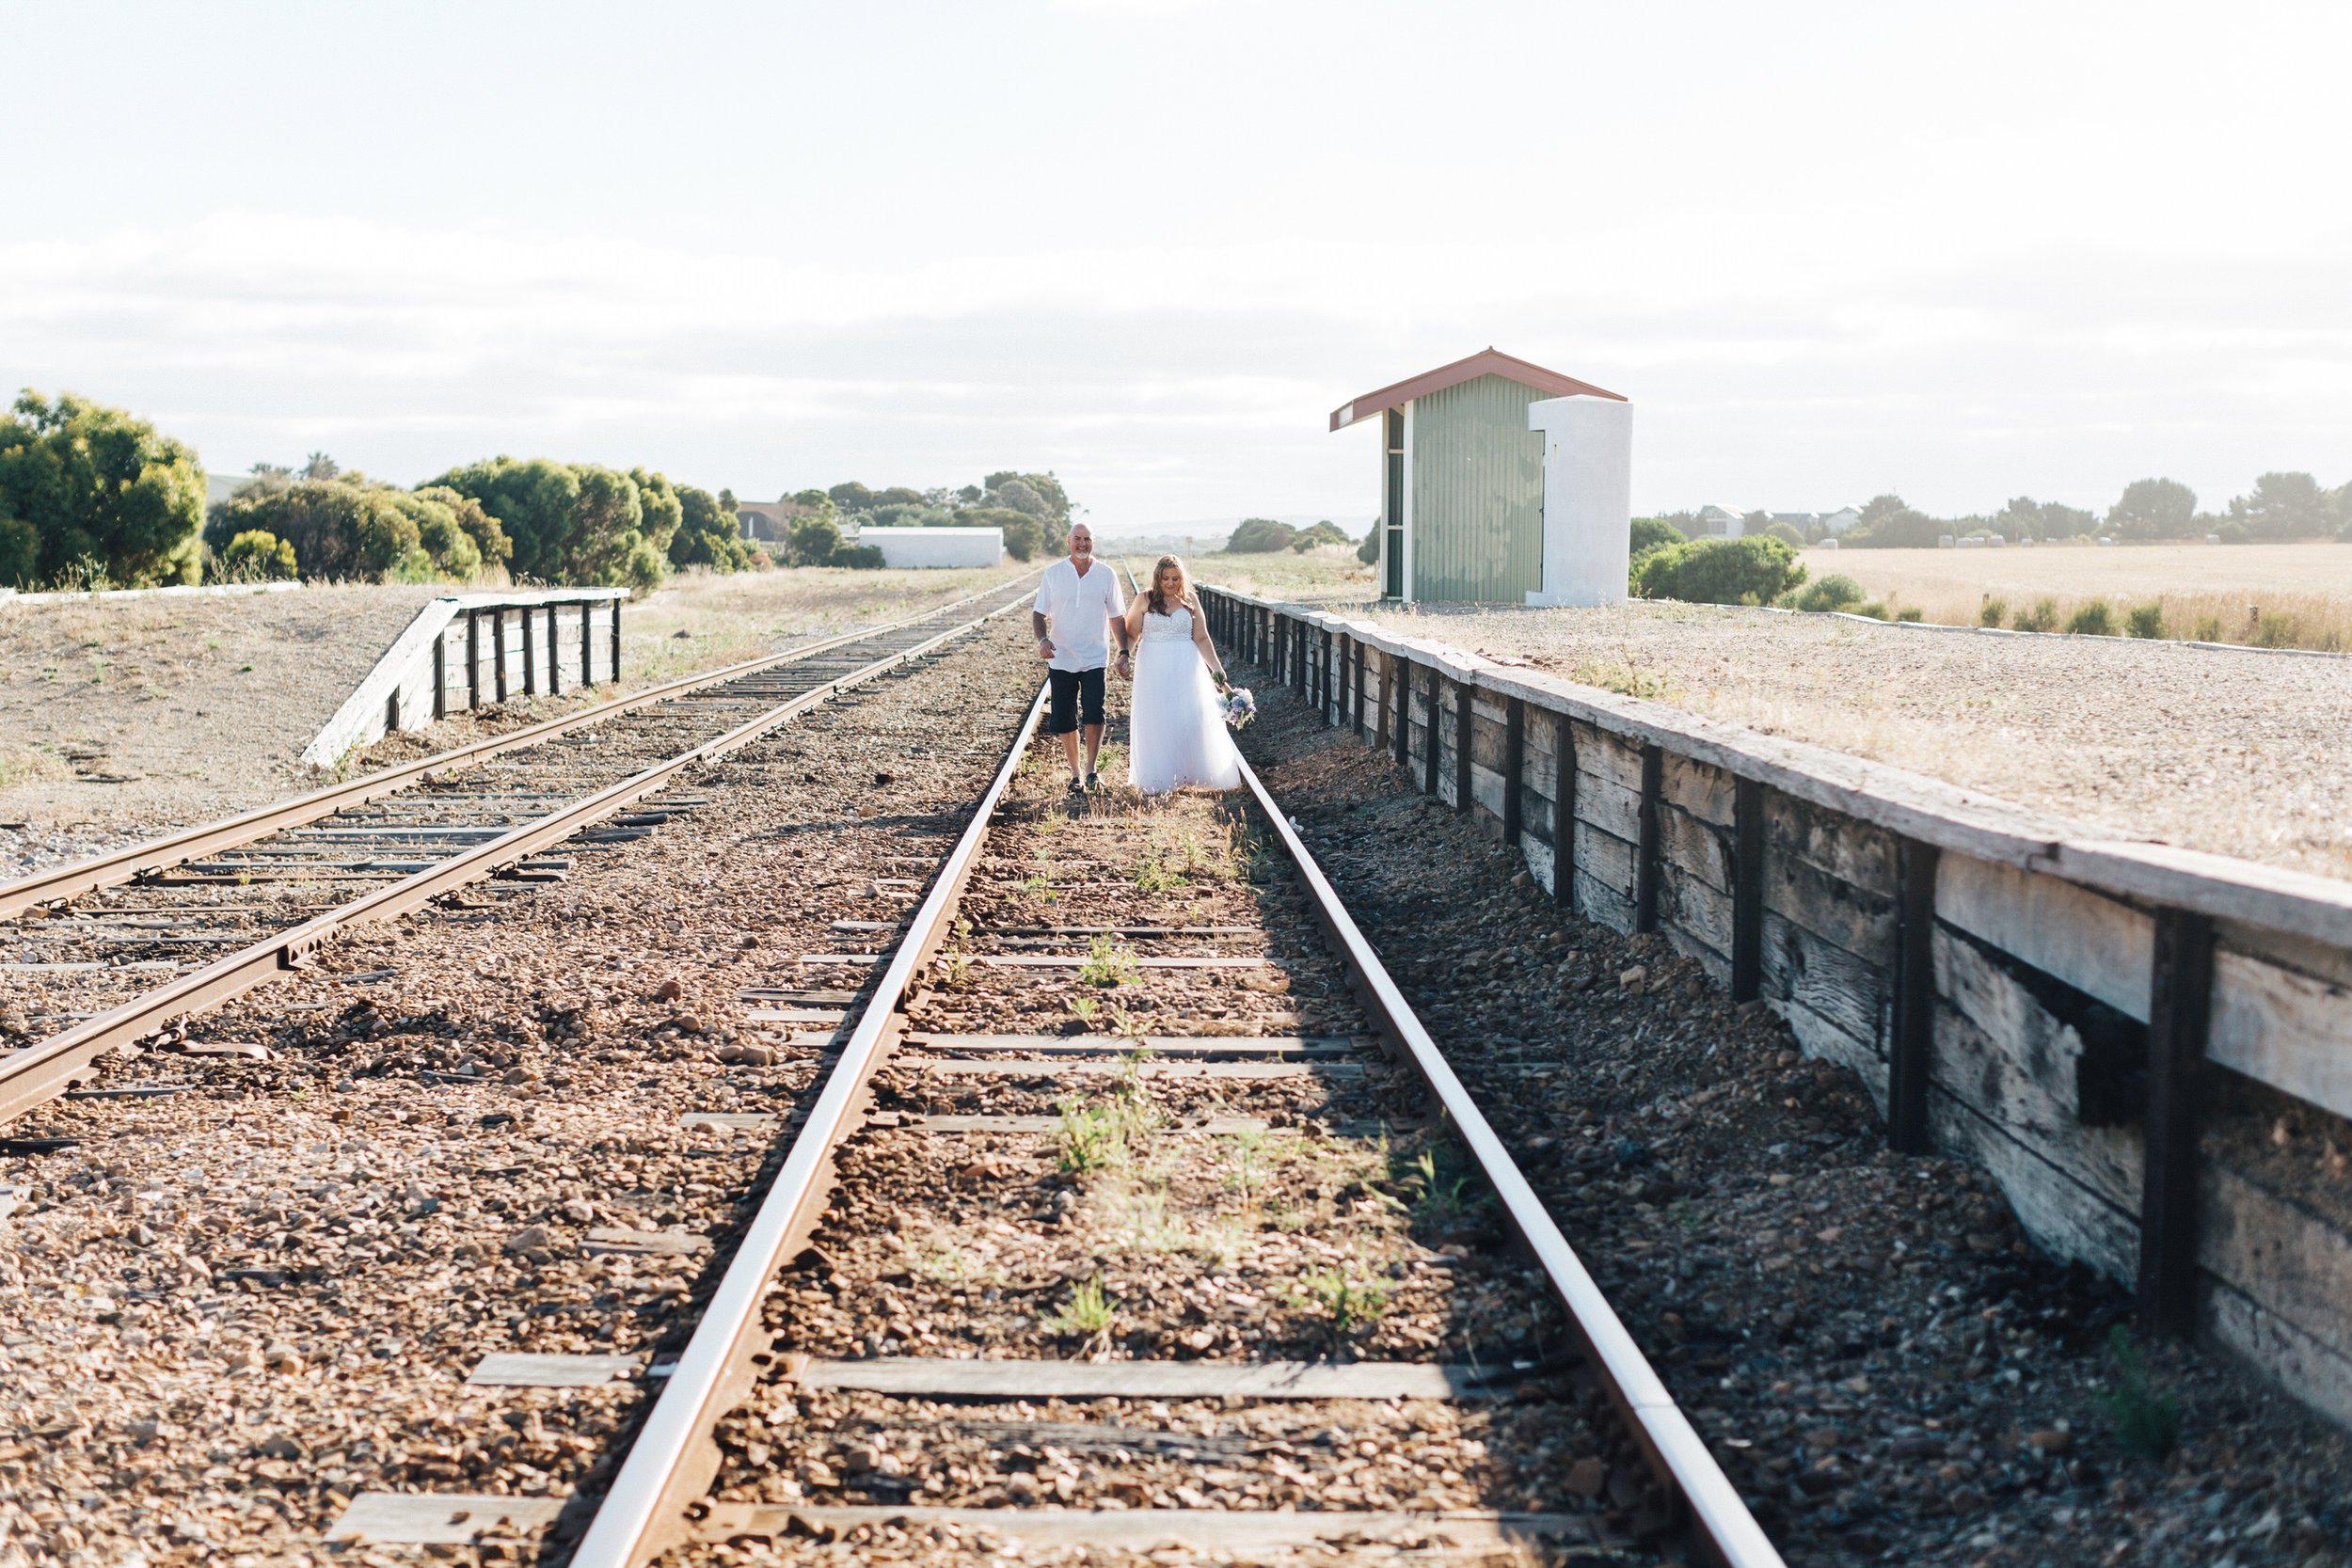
(1588, 499)
(936, 546)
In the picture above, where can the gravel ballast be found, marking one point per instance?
(2237, 752)
(1883, 1364)
(237, 1303)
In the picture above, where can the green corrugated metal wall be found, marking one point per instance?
(1478, 493)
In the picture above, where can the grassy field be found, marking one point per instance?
(729, 619)
(1331, 574)
(2267, 595)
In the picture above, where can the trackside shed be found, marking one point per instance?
(1465, 460)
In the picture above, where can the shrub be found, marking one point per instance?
(1787, 535)
(1649, 533)
(572, 522)
(1322, 533)
(1025, 536)
(1833, 591)
(1369, 551)
(1752, 570)
(1258, 536)
(1992, 612)
(708, 533)
(81, 482)
(2146, 619)
(1874, 610)
(2092, 620)
(864, 558)
(257, 555)
(1911, 615)
(2041, 617)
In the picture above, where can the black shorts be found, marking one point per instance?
(1075, 693)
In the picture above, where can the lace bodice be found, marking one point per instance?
(1175, 626)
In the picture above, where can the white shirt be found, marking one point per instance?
(1078, 611)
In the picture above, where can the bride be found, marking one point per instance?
(1175, 726)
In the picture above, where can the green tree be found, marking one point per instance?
(1648, 532)
(571, 522)
(2154, 509)
(1749, 570)
(1325, 533)
(709, 534)
(851, 497)
(1258, 536)
(1787, 534)
(1890, 523)
(2283, 506)
(897, 495)
(1024, 537)
(1369, 551)
(83, 481)
(338, 531)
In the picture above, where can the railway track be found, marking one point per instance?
(1133, 1208)
(114, 951)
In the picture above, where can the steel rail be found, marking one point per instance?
(671, 1463)
(1703, 1498)
(45, 1069)
(71, 881)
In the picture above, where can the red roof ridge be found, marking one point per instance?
(1487, 361)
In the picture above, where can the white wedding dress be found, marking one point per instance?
(1176, 733)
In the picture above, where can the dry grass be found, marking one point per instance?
(730, 619)
(2263, 595)
(1331, 574)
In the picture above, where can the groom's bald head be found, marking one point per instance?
(1081, 541)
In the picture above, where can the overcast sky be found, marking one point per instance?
(1958, 252)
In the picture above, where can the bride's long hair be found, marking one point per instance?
(1157, 601)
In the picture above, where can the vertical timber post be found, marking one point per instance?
(1397, 692)
(1646, 855)
(391, 711)
(1514, 765)
(2179, 1008)
(1359, 644)
(555, 654)
(1564, 812)
(1747, 890)
(1429, 734)
(616, 639)
(474, 658)
(1465, 719)
(530, 650)
(440, 676)
(1911, 1055)
(497, 649)
(587, 645)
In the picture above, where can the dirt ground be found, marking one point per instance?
(2236, 752)
(123, 719)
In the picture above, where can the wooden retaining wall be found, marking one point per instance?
(2054, 1006)
(469, 649)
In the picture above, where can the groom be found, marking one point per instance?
(1077, 604)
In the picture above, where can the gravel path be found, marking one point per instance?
(234, 1306)
(1879, 1360)
(2240, 753)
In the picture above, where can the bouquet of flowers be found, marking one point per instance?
(1239, 707)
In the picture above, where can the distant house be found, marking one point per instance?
(1840, 520)
(1716, 523)
(1798, 521)
(1467, 459)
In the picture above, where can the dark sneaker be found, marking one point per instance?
(1094, 781)
(1077, 785)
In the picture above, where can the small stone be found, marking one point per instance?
(815, 1472)
(1587, 1477)
(282, 1359)
(1632, 979)
(1525, 879)
(2055, 1440)
(516, 1075)
(239, 1360)
(758, 1056)
(1982, 1242)
(1917, 1448)
(688, 1023)
(528, 1237)
(578, 1213)
(669, 991)
(1823, 1438)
